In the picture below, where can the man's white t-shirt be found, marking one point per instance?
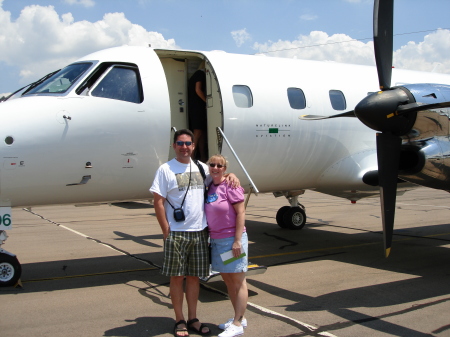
(171, 182)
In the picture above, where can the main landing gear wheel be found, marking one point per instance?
(294, 218)
(10, 270)
(280, 215)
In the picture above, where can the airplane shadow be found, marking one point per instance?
(424, 259)
(340, 303)
(421, 257)
(133, 205)
(142, 240)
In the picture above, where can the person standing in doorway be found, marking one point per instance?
(197, 111)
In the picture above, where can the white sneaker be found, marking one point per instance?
(232, 331)
(223, 326)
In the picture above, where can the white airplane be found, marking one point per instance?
(97, 130)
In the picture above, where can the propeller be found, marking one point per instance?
(373, 111)
(383, 34)
(370, 109)
(391, 111)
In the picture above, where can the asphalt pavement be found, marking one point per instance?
(93, 270)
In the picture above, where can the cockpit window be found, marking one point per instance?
(120, 82)
(61, 81)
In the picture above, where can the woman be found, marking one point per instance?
(225, 214)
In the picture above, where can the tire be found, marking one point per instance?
(10, 270)
(294, 218)
(280, 216)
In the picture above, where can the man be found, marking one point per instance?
(197, 110)
(179, 184)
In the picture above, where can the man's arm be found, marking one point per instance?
(199, 91)
(232, 180)
(158, 203)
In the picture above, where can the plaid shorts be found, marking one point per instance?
(186, 253)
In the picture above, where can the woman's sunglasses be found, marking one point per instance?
(214, 165)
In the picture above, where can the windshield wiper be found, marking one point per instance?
(30, 86)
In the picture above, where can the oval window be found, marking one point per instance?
(296, 98)
(337, 100)
(242, 96)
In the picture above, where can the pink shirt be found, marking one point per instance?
(219, 209)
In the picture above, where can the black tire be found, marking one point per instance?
(280, 216)
(10, 270)
(294, 218)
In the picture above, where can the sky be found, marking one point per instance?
(40, 36)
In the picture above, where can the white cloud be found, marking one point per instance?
(240, 36)
(308, 17)
(429, 55)
(41, 41)
(319, 46)
(85, 3)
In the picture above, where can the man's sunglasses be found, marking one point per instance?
(180, 143)
(214, 165)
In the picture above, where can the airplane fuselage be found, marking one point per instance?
(86, 145)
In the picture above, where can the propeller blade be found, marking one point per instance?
(350, 113)
(388, 153)
(383, 31)
(413, 107)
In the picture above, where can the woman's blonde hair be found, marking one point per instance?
(221, 158)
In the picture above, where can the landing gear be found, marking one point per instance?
(280, 216)
(10, 270)
(292, 217)
(295, 218)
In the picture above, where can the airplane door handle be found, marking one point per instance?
(67, 117)
(180, 102)
(83, 181)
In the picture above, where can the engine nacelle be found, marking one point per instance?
(425, 156)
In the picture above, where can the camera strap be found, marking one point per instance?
(200, 168)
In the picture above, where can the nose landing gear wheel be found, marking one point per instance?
(10, 270)
(294, 218)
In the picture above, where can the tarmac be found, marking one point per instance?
(94, 271)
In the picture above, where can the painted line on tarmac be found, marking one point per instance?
(89, 275)
(121, 251)
(316, 250)
(306, 327)
(368, 202)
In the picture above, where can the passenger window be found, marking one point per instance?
(337, 100)
(296, 98)
(242, 96)
(121, 83)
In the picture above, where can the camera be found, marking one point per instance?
(178, 214)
